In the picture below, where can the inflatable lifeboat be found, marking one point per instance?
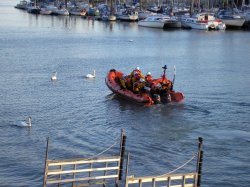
(149, 95)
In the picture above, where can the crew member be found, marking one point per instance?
(148, 77)
(136, 73)
(136, 77)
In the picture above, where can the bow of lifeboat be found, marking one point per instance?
(112, 81)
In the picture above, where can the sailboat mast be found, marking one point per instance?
(66, 2)
(192, 7)
(111, 6)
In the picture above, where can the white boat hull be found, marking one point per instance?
(236, 22)
(45, 11)
(63, 12)
(152, 24)
(128, 17)
(205, 26)
(112, 18)
(203, 21)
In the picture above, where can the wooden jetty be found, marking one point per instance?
(85, 171)
(170, 179)
(107, 171)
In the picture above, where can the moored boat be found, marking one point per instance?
(22, 5)
(128, 15)
(45, 11)
(156, 92)
(203, 21)
(172, 22)
(61, 11)
(231, 19)
(33, 10)
(155, 21)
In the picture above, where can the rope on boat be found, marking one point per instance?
(104, 150)
(180, 166)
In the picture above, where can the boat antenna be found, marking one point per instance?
(173, 78)
(164, 72)
(174, 74)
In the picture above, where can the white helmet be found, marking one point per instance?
(138, 68)
(148, 73)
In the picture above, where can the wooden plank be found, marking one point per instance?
(186, 185)
(53, 172)
(80, 179)
(77, 161)
(89, 184)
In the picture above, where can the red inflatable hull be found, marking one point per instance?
(143, 98)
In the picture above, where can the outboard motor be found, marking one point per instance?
(157, 98)
(166, 98)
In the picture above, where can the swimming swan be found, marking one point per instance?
(90, 75)
(25, 123)
(53, 77)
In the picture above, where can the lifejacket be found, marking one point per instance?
(137, 87)
(166, 85)
(137, 74)
(128, 82)
(123, 82)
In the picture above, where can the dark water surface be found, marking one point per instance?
(82, 117)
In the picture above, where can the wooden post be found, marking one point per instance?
(153, 182)
(58, 185)
(183, 181)
(74, 174)
(126, 175)
(140, 182)
(169, 182)
(199, 161)
(45, 164)
(90, 166)
(122, 152)
(105, 173)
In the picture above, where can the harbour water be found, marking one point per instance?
(82, 117)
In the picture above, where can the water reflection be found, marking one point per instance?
(33, 20)
(76, 23)
(91, 21)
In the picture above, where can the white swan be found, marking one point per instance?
(53, 77)
(26, 123)
(90, 75)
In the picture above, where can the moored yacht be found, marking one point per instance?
(22, 5)
(203, 21)
(231, 18)
(155, 21)
(33, 8)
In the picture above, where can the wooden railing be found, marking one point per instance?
(90, 171)
(105, 170)
(171, 180)
(85, 171)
